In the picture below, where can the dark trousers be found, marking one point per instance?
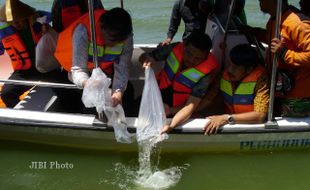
(10, 92)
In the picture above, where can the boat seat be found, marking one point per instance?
(38, 99)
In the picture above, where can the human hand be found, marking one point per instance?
(167, 41)
(147, 64)
(116, 98)
(214, 124)
(166, 129)
(146, 60)
(275, 45)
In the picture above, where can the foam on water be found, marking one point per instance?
(147, 175)
(161, 179)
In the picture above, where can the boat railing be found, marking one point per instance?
(39, 84)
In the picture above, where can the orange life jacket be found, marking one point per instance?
(295, 38)
(70, 11)
(106, 55)
(242, 99)
(182, 82)
(15, 46)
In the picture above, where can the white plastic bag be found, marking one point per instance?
(152, 115)
(116, 118)
(96, 91)
(97, 94)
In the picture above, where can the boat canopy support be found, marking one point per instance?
(271, 122)
(39, 84)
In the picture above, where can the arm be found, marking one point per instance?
(301, 56)
(79, 70)
(159, 54)
(216, 121)
(182, 115)
(175, 20)
(121, 71)
(258, 115)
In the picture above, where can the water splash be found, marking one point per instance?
(121, 176)
(151, 119)
(128, 177)
(147, 174)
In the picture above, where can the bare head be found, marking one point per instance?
(116, 26)
(243, 59)
(196, 48)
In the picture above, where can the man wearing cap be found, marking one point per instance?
(19, 35)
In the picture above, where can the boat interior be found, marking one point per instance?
(44, 99)
(39, 117)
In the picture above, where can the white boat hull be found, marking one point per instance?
(84, 131)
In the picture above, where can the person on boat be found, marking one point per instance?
(21, 29)
(188, 71)
(188, 11)
(244, 88)
(208, 6)
(293, 55)
(115, 46)
(65, 12)
(305, 7)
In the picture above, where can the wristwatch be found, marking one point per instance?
(230, 119)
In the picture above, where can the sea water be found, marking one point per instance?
(117, 170)
(151, 17)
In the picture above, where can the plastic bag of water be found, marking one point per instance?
(152, 115)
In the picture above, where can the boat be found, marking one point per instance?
(36, 120)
